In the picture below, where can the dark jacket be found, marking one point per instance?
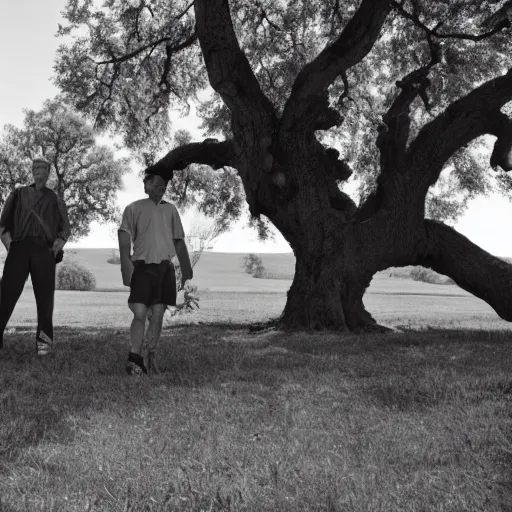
(18, 220)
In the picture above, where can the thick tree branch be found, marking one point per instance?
(394, 131)
(229, 71)
(472, 268)
(502, 152)
(254, 119)
(475, 114)
(355, 42)
(209, 152)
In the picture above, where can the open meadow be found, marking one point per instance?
(416, 420)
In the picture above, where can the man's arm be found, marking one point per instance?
(125, 243)
(184, 259)
(6, 220)
(180, 246)
(64, 229)
(125, 234)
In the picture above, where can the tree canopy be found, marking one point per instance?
(126, 64)
(84, 173)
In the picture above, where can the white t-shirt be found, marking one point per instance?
(152, 228)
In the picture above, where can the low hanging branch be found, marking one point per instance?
(209, 152)
(472, 268)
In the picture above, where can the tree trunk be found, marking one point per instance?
(323, 295)
(334, 263)
(328, 287)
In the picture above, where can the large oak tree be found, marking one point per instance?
(405, 89)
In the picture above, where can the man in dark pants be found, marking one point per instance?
(34, 227)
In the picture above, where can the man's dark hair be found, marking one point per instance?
(149, 176)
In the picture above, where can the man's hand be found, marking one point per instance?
(126, 270)
(6, 240)
(58, 245)
(185, 278)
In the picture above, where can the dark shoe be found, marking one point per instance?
(44, 345)
(135, 364)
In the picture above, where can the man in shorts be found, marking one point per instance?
(154, 228)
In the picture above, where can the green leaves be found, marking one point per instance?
(217, 194)
(85, 174)
(125, 65)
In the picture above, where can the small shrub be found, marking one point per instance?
(115, 259)
(189, 305)
(427, 275)
(252, 264)
(401, 272)
(73, 276)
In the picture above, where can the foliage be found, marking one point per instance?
(73, 276)
(114, 259)
(84, 173)
(253, 264)
(135, 97)
(189, 304)
(125, 65)
(427, 275)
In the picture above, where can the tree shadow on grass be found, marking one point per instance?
(43, 399)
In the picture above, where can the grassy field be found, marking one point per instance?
(227, 294)
(214, 271)
(417, 420)
(411, 421)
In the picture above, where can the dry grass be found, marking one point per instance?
(411, 421)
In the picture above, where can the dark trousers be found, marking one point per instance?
(29, 256)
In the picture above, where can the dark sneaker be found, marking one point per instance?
(135, 365)
(44, 345)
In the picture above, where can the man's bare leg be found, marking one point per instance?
(137, 335)
(153, 334)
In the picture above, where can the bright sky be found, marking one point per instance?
(27, 47)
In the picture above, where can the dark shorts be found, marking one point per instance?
(153, 283)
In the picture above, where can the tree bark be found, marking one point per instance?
(326, 294)
(472, 268)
